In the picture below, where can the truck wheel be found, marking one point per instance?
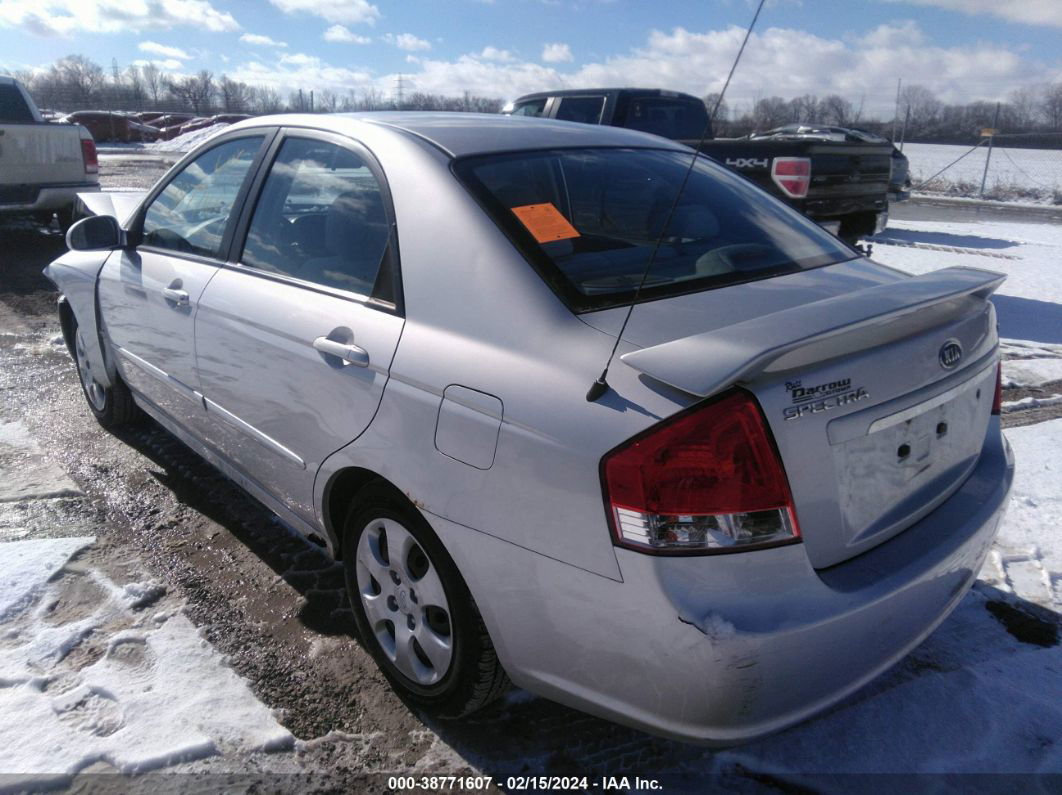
(66, 218)
(413, 611)
(112, 406)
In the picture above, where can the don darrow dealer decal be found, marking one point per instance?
(821, 397)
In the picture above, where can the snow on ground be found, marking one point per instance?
(1028, 551)
(101, 676)
(1030, 301)
(102, 672)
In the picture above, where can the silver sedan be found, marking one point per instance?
(391, 330)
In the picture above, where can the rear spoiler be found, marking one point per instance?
(703, 364)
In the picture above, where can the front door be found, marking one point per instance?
(294, 344)
(148, 295)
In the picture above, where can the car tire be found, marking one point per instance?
(432, 645)
(113, 405)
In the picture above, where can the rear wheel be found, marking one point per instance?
(413, 611)
(112, 405)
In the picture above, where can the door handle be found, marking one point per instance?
(349, 353)
(179, 297)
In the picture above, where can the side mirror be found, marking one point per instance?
(96, 233)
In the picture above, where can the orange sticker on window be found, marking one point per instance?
(545, 222)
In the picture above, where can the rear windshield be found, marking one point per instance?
(13, 107)
(589, 219)
(669, 117)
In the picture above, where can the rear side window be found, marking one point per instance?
(583, 109)
(532, 107)
(589, 220)
(320, 218)
(13, 107)
(666, 116)
(192, 212)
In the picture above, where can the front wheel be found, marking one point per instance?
(112, 406)
(413, 611)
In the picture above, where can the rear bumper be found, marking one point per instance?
(51, 197)
(720, 650)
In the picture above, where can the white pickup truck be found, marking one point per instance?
(43, 166)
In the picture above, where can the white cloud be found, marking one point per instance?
(338, 33)
(261, 41)
(407, 41)
(494, 54)
(155, 48)
(301, 71)
(556, 53)
(779, 61)
(1030, 12)
(166, 64)
(349, 11)
(67, 17)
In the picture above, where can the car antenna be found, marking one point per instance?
(600, 386)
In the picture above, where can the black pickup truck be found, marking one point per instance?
(842, 185)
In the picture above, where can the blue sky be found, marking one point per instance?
(962, 49)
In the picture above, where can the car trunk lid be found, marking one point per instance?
(878, 398)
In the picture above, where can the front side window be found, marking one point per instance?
(192, 212)
(589, 220)
(320, 218)
(582, 109)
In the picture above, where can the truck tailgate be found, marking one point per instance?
(40, 154)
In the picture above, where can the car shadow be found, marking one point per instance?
(945, 239)
(1028, 319)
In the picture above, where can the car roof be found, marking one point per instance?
(578, 92)
(461, 134)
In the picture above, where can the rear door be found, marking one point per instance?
(149, 295)
(295, 341)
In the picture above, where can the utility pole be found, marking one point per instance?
(896, 114)
(399, 91)
(988, 158)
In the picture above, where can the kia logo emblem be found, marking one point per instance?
(950, 354)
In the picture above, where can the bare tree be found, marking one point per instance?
(235, 96)
(723, 113)
(78, 78)
(153, 82)
(1051, 107)
(135, 85)
(1020, 112)
(835, 109)
(806, 109)
(923, 106)
(770, 112)
(196, 91)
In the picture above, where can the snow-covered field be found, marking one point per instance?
(1038, 170)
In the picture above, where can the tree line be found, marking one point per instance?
(1034, 111)
(78, 83)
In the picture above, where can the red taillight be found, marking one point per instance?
(997, 401)
(792, 175)
(88, 155)
(708, 480)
